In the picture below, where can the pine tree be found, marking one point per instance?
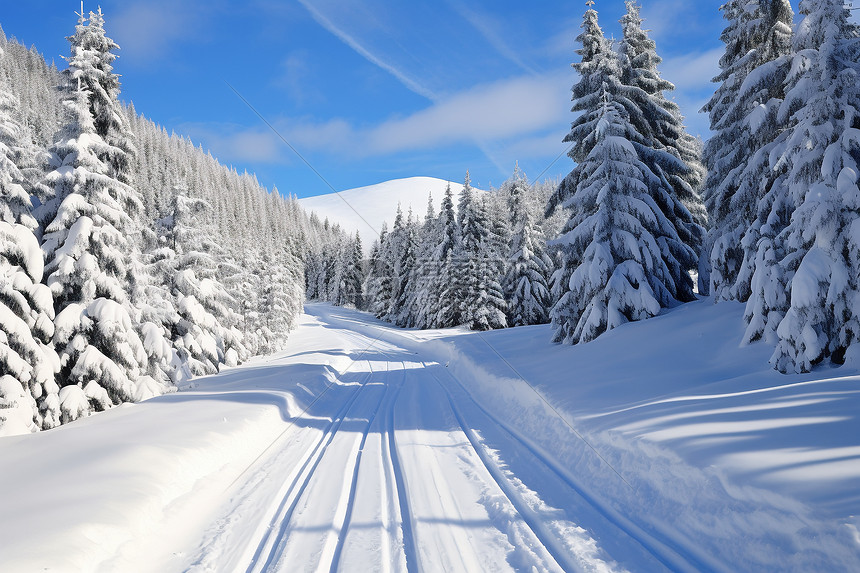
(621, 246)
(744, 118)
(85, 229)
(28, 390)
(406, 274)
(478, 292)
(200, 335)
(660, 122)
(424, 298)
(821, 153)
(526, 291)
(93, 53)
(380, 289)
(446, 256)
(352, 278)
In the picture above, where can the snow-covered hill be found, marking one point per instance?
(363, 209)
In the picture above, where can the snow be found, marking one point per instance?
(662, 444)
(16, 408)
(378, 203)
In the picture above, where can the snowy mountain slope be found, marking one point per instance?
(367, 447)
(363, 209)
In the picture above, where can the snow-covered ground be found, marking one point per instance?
(662, 445)
(363, 209)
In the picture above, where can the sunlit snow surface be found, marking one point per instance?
(364, 447)
(365, 208)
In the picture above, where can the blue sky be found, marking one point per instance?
(370, 90)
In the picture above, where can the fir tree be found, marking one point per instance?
(352, 277)
(743, 115)
(526, 291)
(478, 292)
(85, 229)
(661, 124)
(199, 335)
(28, 390)
(380, 289)
(622, 249)
(446, 256)
(405, 271)
(821, 154)
(91, 64)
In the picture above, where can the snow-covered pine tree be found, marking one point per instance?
(397, 252)
(86, 249)
(103, 87)
(352, 277)
(822, 153)
(28, 389)
(478, 292)
(406, 274)
(614, 236)
(526, 291)
(660, 122)
(446, 256)
(380, 288)
(622, 252)
(464, 268)
(423, 301)
(156, 301)
(490, 308)
(200, 335)
(276, 313)
(723, 152)
(743, 114)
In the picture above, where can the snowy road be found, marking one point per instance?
(368, 448)
(396, 468)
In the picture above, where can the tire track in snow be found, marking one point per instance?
(295, 490)
(444, 492)
(218, 551)
(343, 529)
(393, 459)
(396, 542)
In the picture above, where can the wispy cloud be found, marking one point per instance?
(410, 83)
(234, 143)
(694, 71)
(485, 113)
(484, 25)
(488, 116)
(662, 18)
(295, 78)
(692, 75)
(148, 30)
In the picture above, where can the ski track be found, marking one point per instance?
(279, 546)
(400, 480)
(667, 551)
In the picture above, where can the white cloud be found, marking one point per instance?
(232, 143)
(147, 30)
(692, 75)
(376, 60)
(296, 78)
(489, 116)
(662, 19)
(501, 110)
(485, 26)
(692, 72)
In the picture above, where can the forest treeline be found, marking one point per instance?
(132, 260)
